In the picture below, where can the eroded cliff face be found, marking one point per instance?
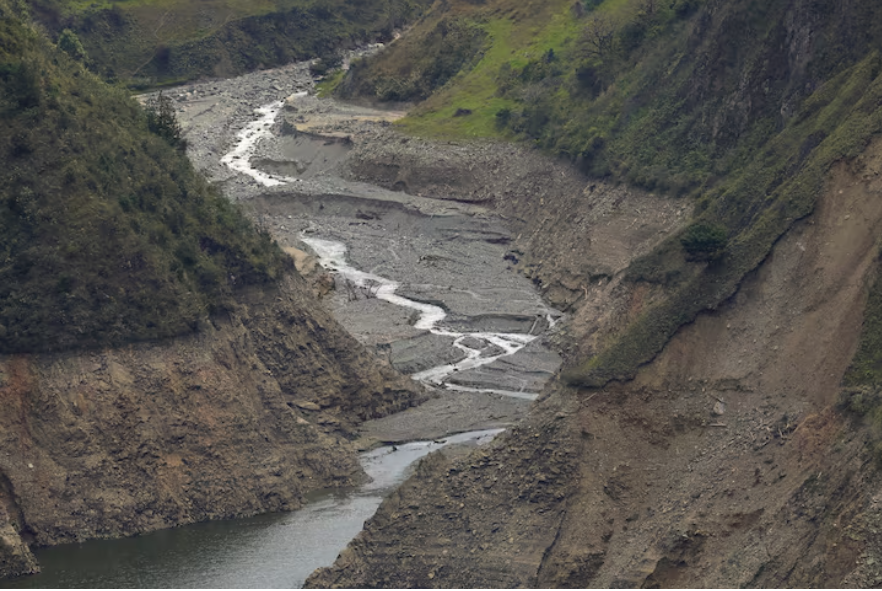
(726, 462)
(245, 416)
(15, 555)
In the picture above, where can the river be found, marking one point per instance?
(275, 551)
(438, 301)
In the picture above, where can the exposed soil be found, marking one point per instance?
(248, 415)
(723, 463)
(245, 416)
(448, 253)
(738, 468)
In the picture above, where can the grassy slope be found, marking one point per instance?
(162, 41)
(107, 234)
(741, 106)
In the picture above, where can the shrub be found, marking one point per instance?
(69, 43)
(162, 121)
(325, 63)
(704, 241)
(19, 87)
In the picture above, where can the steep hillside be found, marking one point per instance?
(744, 106)
(108, 233)
(739, 470)
(244, 417)
(700, 434)
(161, 361)
(148, 42)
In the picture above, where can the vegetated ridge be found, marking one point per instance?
(161, 360)
(720, 103)
(109, 235)
(737, 356)
(148, 43)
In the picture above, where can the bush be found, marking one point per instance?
(325, 64)
(503, 116)
(19, 87)
(703, 241)
(69, 43)
(162, 121)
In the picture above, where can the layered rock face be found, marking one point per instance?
(244, 416)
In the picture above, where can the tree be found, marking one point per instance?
(325, 63)
(704, 241)
(69, 43)
(599, 35)
(162, 121)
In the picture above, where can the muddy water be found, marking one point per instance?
(274, 551)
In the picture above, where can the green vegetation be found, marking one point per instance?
(757, 204)
(690, 97)
(703, 241)
(866, 367)
(329, 84)
(326, 64)
(107, 234)
(69, 43)
(162, 121)
(155, 42)
(862, 394)
(451, 45)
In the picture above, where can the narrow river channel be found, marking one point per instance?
(442, 306)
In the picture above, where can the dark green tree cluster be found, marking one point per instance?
(107, 234)
(69, 43)
(703, 241)
(163, 121)
(326, 63)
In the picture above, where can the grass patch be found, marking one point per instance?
(513, 40)
(680, 97)
(329, 84)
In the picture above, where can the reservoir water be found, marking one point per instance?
(276, 551)
(475, 335)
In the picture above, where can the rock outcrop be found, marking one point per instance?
(244, 416)
(726, 462)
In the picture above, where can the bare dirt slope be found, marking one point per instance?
(246, 416)
(724, 463)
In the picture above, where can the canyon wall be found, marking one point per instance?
(245, 416)
(728, 461)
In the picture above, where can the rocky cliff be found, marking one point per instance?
(163, 363)
(728, 461)
(243, 417)
(700, 434)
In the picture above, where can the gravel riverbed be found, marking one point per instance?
(450, 254)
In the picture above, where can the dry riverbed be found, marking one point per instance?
(287, 163)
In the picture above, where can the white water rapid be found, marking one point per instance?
(332, 256)
(239, 158)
